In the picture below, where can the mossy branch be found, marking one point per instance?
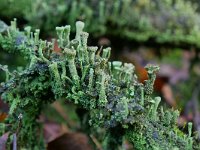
(108, 91)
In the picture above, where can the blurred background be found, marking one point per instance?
(163, 32)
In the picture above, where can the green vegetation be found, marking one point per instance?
(109, 92)
(167, 22)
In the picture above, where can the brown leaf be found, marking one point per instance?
(53, 130)
(3, 116)
(168, 95)
(70, 141)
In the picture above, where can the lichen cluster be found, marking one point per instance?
(173, 22)
(109, 92)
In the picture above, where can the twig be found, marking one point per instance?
(196, 110)
(96, 142)
(14, 141)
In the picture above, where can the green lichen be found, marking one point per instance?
(171, 22)
(109, 92)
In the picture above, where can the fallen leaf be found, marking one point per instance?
(168, 95)
(3, 116)
(70, 141)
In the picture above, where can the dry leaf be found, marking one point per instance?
(70, 141)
